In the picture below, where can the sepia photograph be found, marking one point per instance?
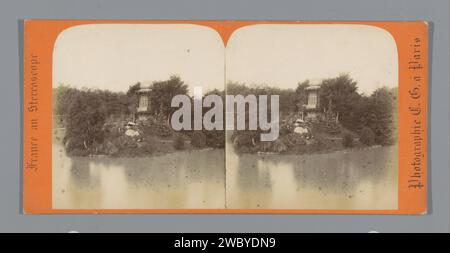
(241, 120)
(337, 88)
(113, 144)
(168, 116)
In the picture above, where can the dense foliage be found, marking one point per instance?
(342, 108)
(85, 113)
(94, 118)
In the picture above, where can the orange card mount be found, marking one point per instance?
(99, 111)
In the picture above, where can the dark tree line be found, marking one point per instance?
(85, 111)
(365, 114)
(288, 98)
(161, 95)
(373, 117)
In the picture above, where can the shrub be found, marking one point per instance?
(294, 139)
(347, 141)
(147, 147)
(284, 130)
(123, 142)
(79, 152)
(156, 128)
(244, 139)
(384, 135)
(278, 146)
(366, 136)
(86, 112)
(198, 139)
(215, 138)
(108, 148)
(178, 143)
(327, 124)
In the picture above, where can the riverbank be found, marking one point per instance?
(296, 144)
(181, 180)
(358, 179)
(144, 138)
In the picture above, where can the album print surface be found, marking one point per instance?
(225, 117)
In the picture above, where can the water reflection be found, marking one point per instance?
(175, 181)
(356, 179)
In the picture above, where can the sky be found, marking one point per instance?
(115, 56)
(284, 55)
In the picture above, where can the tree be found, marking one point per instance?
(361, 114)
(86, 115)
(378, 112)
(338, 95)
(85, 121)
(63, 96)
(162, 94)
(132, 96)
(215, 138)
(383, 106)
(301, 95)
(132, 90)
(287, 97)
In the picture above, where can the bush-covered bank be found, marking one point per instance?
(346, 118)
(98, 122)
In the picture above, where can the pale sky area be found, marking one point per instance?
(283, 55)
(115, 56)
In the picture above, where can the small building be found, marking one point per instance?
(144, 102)
(313, 97)
(312, 107)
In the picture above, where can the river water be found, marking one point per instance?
(359, 179)
(351, 179)
(179, 180)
